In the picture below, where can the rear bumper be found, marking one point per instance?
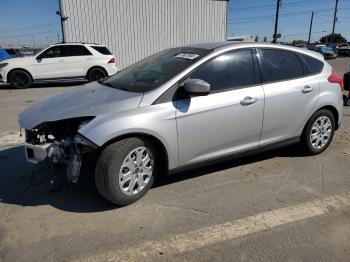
(111, 69)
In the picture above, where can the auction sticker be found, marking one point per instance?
(188, 56)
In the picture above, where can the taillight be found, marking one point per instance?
(111, 61)
(335, 78)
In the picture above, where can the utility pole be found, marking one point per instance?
(335, 18)
(62, 18)
(276, 21)
(312, 18)
(34, 42)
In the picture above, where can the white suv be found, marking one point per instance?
(58, 62)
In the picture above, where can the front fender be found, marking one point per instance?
(155, 120)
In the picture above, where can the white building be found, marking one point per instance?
(134, 29)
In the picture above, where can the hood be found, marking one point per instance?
(92, 99)
(22, 59)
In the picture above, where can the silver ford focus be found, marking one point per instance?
(186, 107)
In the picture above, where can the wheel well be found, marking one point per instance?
(18, 69)
(162, 152)
(99, 67)
(335, 113)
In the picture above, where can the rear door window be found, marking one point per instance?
(78, 50)
(228, 71)
(279, 65)
(102, 50)
(311, 66)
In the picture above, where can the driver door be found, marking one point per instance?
(51, 64)
(228, 119)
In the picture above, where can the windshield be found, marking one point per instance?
(155, 70)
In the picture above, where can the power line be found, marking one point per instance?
(29, 34)
(28, 27)
(291, 4)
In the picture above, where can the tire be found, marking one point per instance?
(346, 100)
(95, 74)
(321, 137)
(20, 79)
(117, 170)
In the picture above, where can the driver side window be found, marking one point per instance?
(55, 52)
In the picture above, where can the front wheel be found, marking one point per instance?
(126, 170)
(318, 133)
(20, 79)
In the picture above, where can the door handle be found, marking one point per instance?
(307, 89)
(248, 101)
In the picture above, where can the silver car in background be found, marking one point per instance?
(186, 107)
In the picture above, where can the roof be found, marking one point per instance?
(212, 45)
(225, 45)
(78, 43)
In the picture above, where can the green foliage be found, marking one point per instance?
(338, 38)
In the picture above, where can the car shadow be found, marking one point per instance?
(46, 84)
(24, 184)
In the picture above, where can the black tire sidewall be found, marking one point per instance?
(306, 143)
(23, 73)
(119, 152)
(94, 70)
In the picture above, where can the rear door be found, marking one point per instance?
(78, 61)
(229, 118)
(50, 64)
(290, 94)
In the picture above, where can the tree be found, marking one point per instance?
(338, 38)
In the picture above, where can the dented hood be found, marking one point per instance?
(92, 99)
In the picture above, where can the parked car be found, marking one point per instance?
(326, 51)
(343, 49)
(60, 61)
(185, 107)
(4, 55)
(13, 52)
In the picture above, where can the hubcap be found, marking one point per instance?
(321, 132)
(136, 171)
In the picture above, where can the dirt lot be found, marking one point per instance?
(276, 206)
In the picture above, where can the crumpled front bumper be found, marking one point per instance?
(36, 153)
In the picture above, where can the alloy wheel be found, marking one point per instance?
(136, 171)
(321, 132)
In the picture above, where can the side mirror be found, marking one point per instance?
(197, 87)
(39, 58)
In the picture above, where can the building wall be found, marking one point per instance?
(134, 29)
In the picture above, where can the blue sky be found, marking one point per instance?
(257, 17)
(21, 19)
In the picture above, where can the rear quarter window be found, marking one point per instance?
(279, 65)
(311, 66)
(102, 50)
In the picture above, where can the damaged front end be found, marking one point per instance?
(60, 144)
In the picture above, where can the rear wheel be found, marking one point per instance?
(126, 170)
(20, 79)
(96, 74)
(318, 133)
